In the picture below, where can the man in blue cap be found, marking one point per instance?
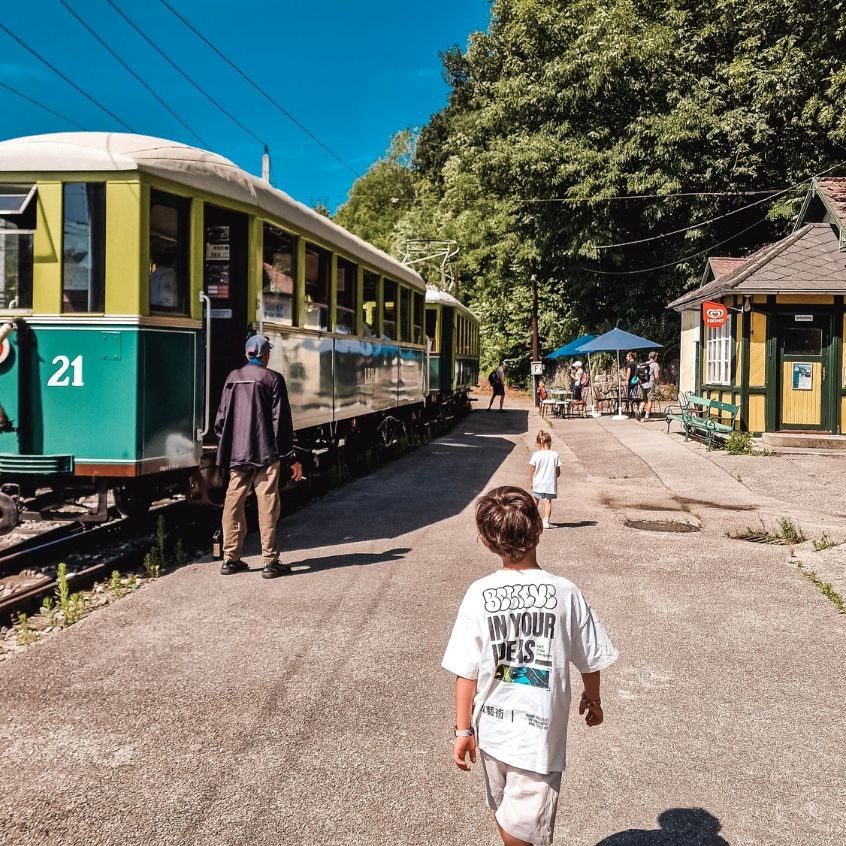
(255, 435)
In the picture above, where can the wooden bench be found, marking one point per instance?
(696, 414)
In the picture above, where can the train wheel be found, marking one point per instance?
(9, 515)
(133, 501)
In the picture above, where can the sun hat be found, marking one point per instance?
(577, 364)
(257, 346)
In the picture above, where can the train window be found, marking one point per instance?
(317, 288)
(83, 247)
(278, 274)
(405, 313)
(417, 318)
(17, 225)
(389, 310)
(432, 328)
(345, 297)
(371, 303)
(169, 243)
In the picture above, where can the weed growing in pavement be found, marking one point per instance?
(825, 588)
(48, 609)
(739, 443)
(132, 582)
(825, 542)
(787, 533)
(116, 588)
(72, 606)
(25, 635)
(156, 561)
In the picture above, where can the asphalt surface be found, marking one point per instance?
(312, 709)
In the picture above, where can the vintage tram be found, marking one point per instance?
(132, 269)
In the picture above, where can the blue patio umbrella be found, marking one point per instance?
(572, 348)
(614, 341)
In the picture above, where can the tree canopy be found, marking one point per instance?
(563, 115)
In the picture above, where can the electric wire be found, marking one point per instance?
(713, 246)
(258, 88)
(42, 106)
(183, 74)
(129, 70)
(67, 79)
(652, 196)
(676, 261)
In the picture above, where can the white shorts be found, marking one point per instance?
(524, 802)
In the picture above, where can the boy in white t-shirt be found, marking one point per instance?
(546, 468)
(516, 633)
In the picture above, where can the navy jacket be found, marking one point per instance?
(254, 424)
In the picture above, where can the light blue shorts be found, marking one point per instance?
(539, 495)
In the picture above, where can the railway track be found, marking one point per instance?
(91, 552)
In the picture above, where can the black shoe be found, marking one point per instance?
(228, 568)
(277, 568)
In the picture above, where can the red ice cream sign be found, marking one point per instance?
(714, 314)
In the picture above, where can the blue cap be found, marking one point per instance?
(257, 346)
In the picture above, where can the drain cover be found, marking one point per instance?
(661, 526)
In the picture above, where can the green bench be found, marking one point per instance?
(705, 416)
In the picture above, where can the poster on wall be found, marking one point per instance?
(217, 281)
(803, 376)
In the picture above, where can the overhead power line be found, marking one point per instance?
(129, 70)
(67, 79)
(184, 75)
(258, 88)
(666, 196)
(713, 246)
(42, 106)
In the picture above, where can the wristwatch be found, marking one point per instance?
(464, 732)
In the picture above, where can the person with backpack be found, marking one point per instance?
(649, 375)
(631, 382)
(497, 381)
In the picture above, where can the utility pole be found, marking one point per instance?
(536, 362)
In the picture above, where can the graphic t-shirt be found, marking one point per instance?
(516, 633)
(545, 462)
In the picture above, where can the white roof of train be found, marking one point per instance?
(87, 152)
(436, 295)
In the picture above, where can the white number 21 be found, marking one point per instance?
(60, 379)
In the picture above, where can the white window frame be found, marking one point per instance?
(718, 352)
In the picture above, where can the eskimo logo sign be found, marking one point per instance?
(516, 597)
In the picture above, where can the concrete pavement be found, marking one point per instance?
(312, 709)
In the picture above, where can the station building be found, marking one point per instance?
(781, 353)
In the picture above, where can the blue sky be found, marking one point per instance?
(352, 72)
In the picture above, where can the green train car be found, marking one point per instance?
(132, 269)
(453, 331)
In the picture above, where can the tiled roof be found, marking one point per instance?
(808, 260)
(834, 190)
(723, 265)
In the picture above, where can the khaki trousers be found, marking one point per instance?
(265, 480)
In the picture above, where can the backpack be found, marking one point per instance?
(584, 379)
(493, 377)
(643, 373)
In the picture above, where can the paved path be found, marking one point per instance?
(312, 709)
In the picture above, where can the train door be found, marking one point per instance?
(225, 269)
(447, 348)
(803, 346)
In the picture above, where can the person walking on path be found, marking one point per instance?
(517, 631)
(545, 469)
(255, 435)
(649, 375)
(497, 381)
(631, 381)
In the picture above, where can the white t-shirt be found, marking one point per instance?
(515, 633)
(545, 462)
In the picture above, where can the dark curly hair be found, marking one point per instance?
(509, 522)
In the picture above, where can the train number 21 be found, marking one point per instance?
(60, 379)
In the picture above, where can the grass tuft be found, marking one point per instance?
(786, 533)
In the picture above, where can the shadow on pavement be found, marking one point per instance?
(581, 524)
(352, 559)
(679, 827)
(427, 486)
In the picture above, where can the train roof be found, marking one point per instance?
(436, 295)
(114, 152)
